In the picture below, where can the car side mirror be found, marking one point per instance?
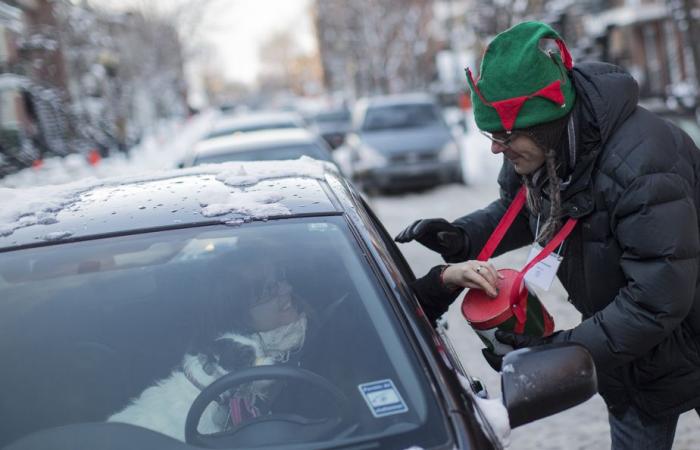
(540, 381)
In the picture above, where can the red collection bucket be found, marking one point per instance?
(515, 309)
(486, 314)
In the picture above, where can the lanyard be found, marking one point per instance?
(518, 295)
(503, 225)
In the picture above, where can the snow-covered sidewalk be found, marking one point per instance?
(161, 149)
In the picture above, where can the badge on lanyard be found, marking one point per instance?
(542, 274)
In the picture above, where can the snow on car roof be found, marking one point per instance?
(231, 192)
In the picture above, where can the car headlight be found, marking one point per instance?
(366, 158)
(449, 152)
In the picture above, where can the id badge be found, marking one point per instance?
(542, 274)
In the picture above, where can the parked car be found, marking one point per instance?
(400, 142)
(265, 145)
(254, 121)
(685, 119)
(331, 124)
(112, 290)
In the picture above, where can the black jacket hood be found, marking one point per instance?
(608, 92)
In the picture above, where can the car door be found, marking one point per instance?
(471, 387)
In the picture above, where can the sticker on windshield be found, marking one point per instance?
(383, 398)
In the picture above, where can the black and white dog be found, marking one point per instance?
(164, 406)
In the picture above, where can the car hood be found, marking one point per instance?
(407, 140)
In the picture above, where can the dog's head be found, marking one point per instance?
(232, 352)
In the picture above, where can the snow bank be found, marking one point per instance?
(164, 147)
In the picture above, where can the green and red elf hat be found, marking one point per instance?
(521, 85)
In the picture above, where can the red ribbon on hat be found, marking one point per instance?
(565, 55)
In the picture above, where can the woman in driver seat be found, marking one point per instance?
(263, 323)
(275, 327)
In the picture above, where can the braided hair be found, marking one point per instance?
(551, 137)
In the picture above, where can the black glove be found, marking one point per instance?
(493, 359)
(438, 235)
(525, 340)
(516, 341)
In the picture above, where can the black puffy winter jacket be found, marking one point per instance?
(631, 265)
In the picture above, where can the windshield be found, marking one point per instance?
(131, 329)
(250, 128)
(266, 154)
(401, 116)
(334, 116)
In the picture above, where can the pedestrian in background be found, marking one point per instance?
(586, 153)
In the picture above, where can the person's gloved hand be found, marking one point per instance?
(516, 341)
(493, 359)
(438, 235)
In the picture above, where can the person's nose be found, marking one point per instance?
(497, 148)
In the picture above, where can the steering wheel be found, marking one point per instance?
(272, 428)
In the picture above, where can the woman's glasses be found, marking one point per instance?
(503, 138)
(274, 293)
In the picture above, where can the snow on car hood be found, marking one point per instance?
(23, 207)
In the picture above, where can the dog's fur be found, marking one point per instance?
(164, 406)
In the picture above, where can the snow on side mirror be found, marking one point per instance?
(540, 381)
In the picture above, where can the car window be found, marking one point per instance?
(691, 127)
(400, 116)
(266, 154)
(102, 330)
(394, 253)
(250, 128)
(334, 116)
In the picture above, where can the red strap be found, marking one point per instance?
(518, 295)
(518, 299)
(503, 225)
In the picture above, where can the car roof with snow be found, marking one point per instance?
(230, 193)
(253, 140)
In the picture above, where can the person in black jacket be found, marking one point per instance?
(576, 138)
